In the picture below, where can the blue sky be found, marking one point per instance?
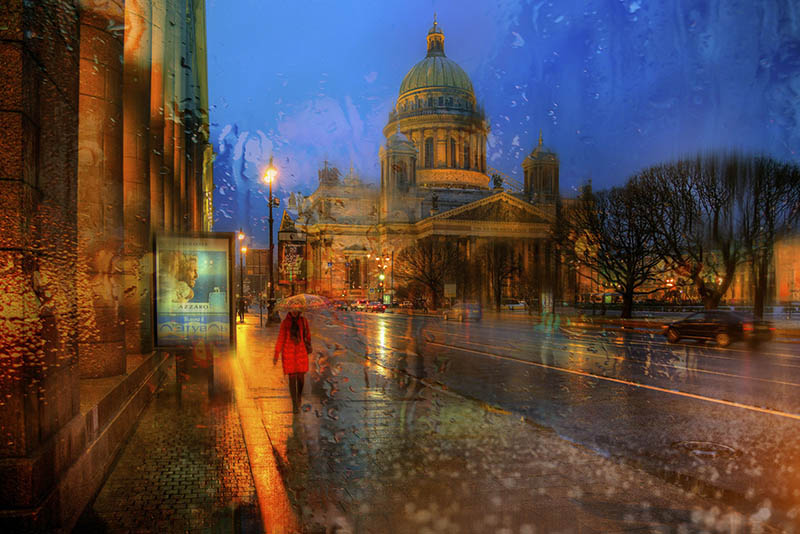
(615, 85)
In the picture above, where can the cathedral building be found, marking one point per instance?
(433, 184)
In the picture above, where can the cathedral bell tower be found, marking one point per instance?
(398, 180)
(541, 174)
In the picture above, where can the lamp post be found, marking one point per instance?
(241, 271)
(269, 177)
(241, 279)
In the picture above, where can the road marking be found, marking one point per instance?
(629, 383)
(588, 337)
(583, 350)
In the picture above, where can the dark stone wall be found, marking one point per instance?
(38, 216)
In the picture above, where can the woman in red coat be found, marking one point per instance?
(294, 345)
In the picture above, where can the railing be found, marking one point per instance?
(444, 110)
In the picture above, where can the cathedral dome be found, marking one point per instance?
(436, 70)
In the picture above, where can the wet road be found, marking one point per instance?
(728, 418)
(411, 424)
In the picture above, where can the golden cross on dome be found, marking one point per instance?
(434, 19)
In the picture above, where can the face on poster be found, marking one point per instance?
(192, 290)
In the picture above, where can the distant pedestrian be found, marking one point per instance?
(294, 347)
(241, 305)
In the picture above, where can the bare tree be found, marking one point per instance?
(692, 211)
(429, 262)
(769, 205)
(501, 265)
(609, 235)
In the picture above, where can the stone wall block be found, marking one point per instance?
(11, 96)
(101, 359)
(93, 78)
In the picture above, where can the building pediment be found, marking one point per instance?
(500, 207)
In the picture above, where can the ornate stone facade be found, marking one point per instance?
(433, 183)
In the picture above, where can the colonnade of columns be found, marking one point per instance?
(140, 172)
(442, 157)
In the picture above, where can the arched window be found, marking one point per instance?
(430, 101)
(441, 101)
(429, 152)
(452, 153)
(466, 155)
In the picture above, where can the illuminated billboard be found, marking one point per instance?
(193, 280)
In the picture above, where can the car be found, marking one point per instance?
(406, 305)
(513, 304)
(723, 327)
(341, 305)
(463, 311)
(359, 305)
(376, 306)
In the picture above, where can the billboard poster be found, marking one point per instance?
(193, 279)
(291, 262)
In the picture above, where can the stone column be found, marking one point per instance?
(157, 83)
(178, 187)
(101, 347)
(137, 262)
(440, 148)
(167, 101)
(39, 44)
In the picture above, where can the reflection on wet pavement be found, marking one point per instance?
(384, 445)
(185, 468)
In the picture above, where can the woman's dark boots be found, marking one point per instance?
(295, 389)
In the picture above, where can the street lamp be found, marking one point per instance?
(269, 177)
(241, 271)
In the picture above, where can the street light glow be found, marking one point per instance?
(271, 173)
(244, 250)
(241, 235)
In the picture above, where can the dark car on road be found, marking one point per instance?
(721, 326)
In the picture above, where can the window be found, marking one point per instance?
(441, 101)
(429, 152)
(354, 273)
(449, 101)
(430, 101)
(466, 155)
(452, 152)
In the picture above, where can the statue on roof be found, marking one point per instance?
(328, 175)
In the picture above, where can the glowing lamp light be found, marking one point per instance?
(271, 173)
(241, 235)
(244, 250)
(381, 276)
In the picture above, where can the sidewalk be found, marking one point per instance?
(375, 450)
(185, 468)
